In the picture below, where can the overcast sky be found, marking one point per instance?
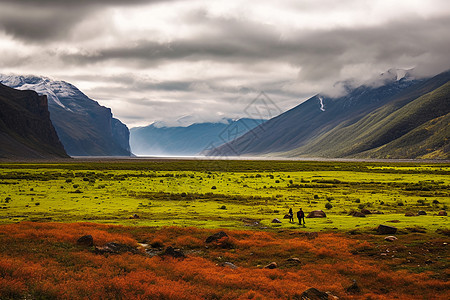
(185, 61)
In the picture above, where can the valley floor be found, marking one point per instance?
(150, 205)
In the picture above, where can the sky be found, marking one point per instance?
(178, 62)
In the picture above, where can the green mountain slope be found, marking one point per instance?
(418, 129)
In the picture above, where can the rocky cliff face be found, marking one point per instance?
(84, 127)
(25, 127)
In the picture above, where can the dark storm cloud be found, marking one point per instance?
(319, 53)
(41, 20)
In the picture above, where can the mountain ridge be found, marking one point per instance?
(84, 126)
(315, 127)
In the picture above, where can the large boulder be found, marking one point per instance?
(422, 213)
(216, 236)
(86, 240)
(384, 229)
(316, 214)
(442, 213)
(276, 221)
(366, 211)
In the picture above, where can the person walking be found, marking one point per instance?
(301, 216)
(291, 215)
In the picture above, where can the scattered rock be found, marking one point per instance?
(216, 236)
(230, 265)
(135, 216)
(409, 214)
(442, 213)
(376, 212)
(421, 213)
(86, 240)
(272, 265)
(115, 248)
(394, 221)
(353, 289)
(294, 260)
(314, 294)
(390, 238)
(286, 217)
(366, 211)
(384, 229)
(276, 221)
(358, 214)
(316, 214)
(176, 253)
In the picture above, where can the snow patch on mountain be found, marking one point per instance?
(54, 90)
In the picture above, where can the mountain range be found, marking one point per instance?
(188, 140)
(398, 117)
(84, 127)
(25, 127)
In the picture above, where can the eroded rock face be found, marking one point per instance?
(26, 130)
(84, 127)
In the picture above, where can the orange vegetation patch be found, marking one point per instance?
(43, 261)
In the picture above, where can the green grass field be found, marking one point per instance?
(226, 194)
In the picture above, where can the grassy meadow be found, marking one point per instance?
(46, 207)
(225, 194)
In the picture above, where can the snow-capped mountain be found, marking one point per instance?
(83, 126)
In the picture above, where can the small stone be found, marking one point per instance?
(390, 238)
(442, 213)
(384, 229)
(353, 289)
(272, 265)
(294, 260)
(358, 214)
(314, 294)
(421, 213)
(230, 265)
(366, 211)
(216, 236)
(170, 251)
(276, 221)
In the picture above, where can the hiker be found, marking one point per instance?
(291, 215)
(300, 216)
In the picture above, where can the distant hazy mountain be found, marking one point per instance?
(25, 127)
(395, 117)
(83, 126)
(190, 140)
